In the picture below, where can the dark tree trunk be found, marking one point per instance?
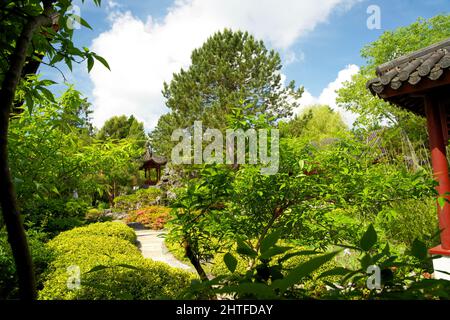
(190, 254)
(8, 201)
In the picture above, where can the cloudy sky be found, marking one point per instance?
(145, 42)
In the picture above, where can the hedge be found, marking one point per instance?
(118, 270)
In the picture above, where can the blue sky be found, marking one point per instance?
(146, 41)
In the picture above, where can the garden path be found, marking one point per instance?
(151, 244)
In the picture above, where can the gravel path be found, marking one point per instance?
(151, 244)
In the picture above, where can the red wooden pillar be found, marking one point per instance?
(440, 170)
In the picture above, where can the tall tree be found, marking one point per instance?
(315, 123)
(231, 70)
(30, 30)
(121, 127)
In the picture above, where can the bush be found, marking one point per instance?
(139, 199)
(407, 220)
(105, 229)
(121, 271)
(41, 256)
(154, 217)
(55, 215)
(311, 283)
(96, 215)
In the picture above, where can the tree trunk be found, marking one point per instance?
(8, 201)
(190, 254)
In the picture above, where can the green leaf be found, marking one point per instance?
(98, 268)
(127, 266)
(47, 93)
(274, 251)
(230, 262)
(303, 270)
(90, 63)
(68, 62)
(55, 190)
(270, 240)
(298, 253)
(369, 239)
(441, 201)
(84, 23)
(102, 61)
(338, 271)
(29, 102)
(244, 249)
(366, 261)
(419, 250)
(301, 164)
(57, 58)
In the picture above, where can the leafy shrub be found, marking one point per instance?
(55, 215)
(408, 220)
(139, 199)
(103, 206)
(105, 229)
(111, 267)
(311, 283)
(96, 215)
(41, 256)
(154, 217)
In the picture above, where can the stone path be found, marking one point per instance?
(151, 244)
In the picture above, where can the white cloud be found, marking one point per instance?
(328, 95)
(144, 54)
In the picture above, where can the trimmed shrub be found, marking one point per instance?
(139, 199)
(110, 267)
(105, 229)
(154, 217)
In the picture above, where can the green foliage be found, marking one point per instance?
(315, 123)
(111, 267)
(280, 271)
(96, 215)
(41, 256)
(230, 70)
(106, 229)
(121, 127)
(408, 220)
(390, 45)
(403, 276)
(153, 217)
(55, 215)
(140, 198)
(58, 158)
(54, 46)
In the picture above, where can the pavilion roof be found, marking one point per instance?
(150, 157)
(405, 80)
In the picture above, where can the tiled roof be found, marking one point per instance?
(150, 156)
(428, 63)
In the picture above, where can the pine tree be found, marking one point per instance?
(230, 70)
